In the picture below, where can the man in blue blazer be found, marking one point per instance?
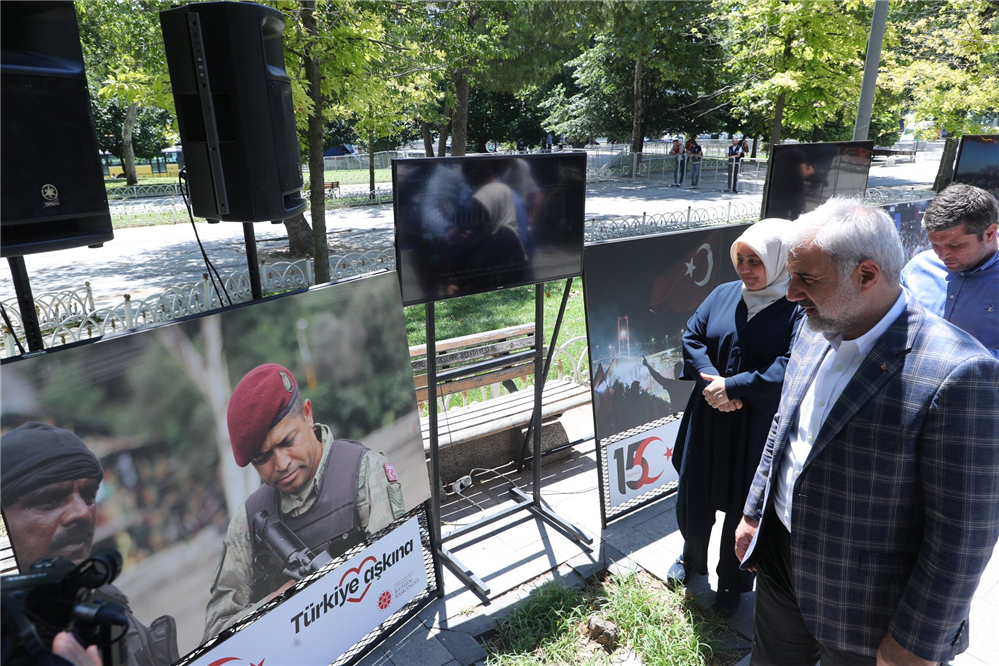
(875, 507)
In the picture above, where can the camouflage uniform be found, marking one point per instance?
(379, 502)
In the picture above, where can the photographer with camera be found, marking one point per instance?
(49, 482)
(321, 496)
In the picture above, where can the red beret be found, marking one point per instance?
(261, 399)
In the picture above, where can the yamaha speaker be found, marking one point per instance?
(233, 101)
(50, 168)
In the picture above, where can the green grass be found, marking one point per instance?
(357, 176)
(662, 626)
(484, 312)
(116, 183)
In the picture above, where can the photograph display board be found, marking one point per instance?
(908, 219)
(465, 225)
(642, 463)
(802, 176)
(152, 409)
(640, 293)
(978, 162)
(335, 612)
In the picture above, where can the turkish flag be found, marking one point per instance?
(683, 287)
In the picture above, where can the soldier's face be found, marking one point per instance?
(55, 520)
(291, 453)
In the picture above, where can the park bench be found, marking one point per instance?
(332, 187)
(893, 155)
(489, 433)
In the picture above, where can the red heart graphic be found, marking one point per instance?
(357, 570)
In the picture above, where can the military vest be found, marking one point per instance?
(331, 523)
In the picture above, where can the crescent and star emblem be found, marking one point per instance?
(691, 266)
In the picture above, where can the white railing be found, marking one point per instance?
(73, 316)
(139, 191)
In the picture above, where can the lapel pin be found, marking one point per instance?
(884, 367)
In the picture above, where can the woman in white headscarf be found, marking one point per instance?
(736, 349)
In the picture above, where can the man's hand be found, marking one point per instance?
(744, 534)
(66, 646)
(730, 406)
(890, 653)
(715, 392)
(281, 590)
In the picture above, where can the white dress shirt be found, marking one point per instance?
(840, 363)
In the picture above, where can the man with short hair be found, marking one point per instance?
(959, 279)
(49, 488)
(875, 507)
(696, 155)
(734, 160)
(679, 154)
(331, 493)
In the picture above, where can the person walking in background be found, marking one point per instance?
(735, 349)
(734, 157)
(875, 508)
(959, 279)
(695, 152)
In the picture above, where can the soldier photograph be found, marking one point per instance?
(331, 493)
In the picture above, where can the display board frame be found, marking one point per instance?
(817, 175)
(429, 240)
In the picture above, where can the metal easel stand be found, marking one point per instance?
(532, 503)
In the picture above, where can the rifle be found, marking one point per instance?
(298, 560)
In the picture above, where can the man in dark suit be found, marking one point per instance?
(875, 507)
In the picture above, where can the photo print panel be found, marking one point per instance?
(978, 162)
(467, 225)
(908, 218)
(802, 176)
(187, 447)
(640, 293)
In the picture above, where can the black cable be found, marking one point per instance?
(10, 327)
(185, 192)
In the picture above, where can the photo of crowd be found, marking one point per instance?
(476, 224)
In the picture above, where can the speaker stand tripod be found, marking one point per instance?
(253, 264)
(26, 303)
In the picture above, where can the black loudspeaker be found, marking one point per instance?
(50, 168)
(233, 99)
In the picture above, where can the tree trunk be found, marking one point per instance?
(815, 133)
(128, 153)
(778, 119)
(371, 163)
(314, 134)
(445, 131)
(459, 121)
(781, 99)
(428, 139)
(637, 137)
(944, 172)
(756, 140)
(299, 236)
